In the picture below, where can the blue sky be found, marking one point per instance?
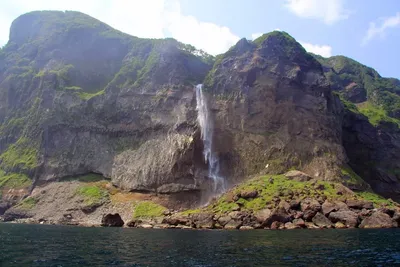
(366, 30)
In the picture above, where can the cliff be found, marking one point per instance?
(80, 99)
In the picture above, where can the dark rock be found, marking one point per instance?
(396, 216)
(320, 220)
(359, 204)
(378, 220)
(309, 214)
(388, 211)
(347, 217)
(249, 194)
(13, 214)
(131, 223)
(297, 176)
(203, 220)
(112, 220)
(295, 204)
(3, 207)
(279, 215)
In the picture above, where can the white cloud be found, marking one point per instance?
(329, 11)
(379, 31)
(147, 19)
(322, 50)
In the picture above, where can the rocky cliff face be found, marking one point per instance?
(79, 97)
(274, 110)
(371, 126)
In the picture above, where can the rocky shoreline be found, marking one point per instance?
(305, 214)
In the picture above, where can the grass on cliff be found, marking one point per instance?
(14, 180)
(27, 204)
(147, 209)
(375, 114)
(374, 198)
(22, 154)
(92, 194)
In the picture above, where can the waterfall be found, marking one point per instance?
(207, 129)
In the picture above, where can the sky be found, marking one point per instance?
(365, 30)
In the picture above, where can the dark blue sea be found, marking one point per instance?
(62, 246)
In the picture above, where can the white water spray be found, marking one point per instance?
(207, 130)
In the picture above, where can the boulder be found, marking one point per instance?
(248, 194)
(176, 219)
(320, 220)
(278, 215)
(388, 211)
(223, 220)
(203, 220)
(347, 217)
(309, 214)
(233, 224)
(299, 222)
(262, 216)
(112, 220)
(276, 225)
(283, 204)
(297, 176)
(378, 220)
(340, 225)
(359, 204)
(327, 207)
(290, 225)
(310, 204)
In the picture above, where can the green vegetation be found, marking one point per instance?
(382, 93)
(268, 188)
(22, 154)
(14, 180)
(375, 114)
(278, 186)
(147, 209)
(92, 194)
(87, 96)
(27, 204)
(351, 177)
(376, 199)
